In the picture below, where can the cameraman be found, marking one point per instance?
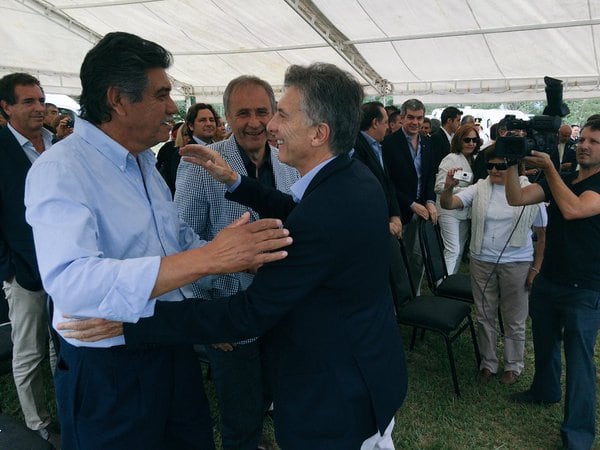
(565, 297)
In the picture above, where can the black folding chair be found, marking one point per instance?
(456, 286)
(445, 316)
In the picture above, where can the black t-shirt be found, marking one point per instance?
(572, 254)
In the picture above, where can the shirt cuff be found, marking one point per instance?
(234, 186)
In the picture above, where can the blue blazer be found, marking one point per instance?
(17, 250)
(334, 359)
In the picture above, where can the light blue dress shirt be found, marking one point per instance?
(416, 156)
(375, 146)
(102, 220)
(299, 187)
(30, 151)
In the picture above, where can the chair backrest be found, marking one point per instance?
(432, 247)
(3, 307)
(406, 290)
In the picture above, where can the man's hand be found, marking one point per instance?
(539, 159)
(225, 347)
(420, 210)
(396, 226)
(62, 130)
(211, 160)
(433, 214)
(90, 330)
(244, 245)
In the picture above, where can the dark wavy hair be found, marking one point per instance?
(119, 60)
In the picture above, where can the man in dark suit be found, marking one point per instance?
(367, 149)
(21, 142)
(566, 150)
(333, 353)
(410, 161)
(440, 140)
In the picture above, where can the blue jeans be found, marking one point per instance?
(238, 380)
(572, 314)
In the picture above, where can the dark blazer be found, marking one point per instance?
(334, 359)
(364, 153)
(570, 155)
(398, 159)
(167, 163)
(440, 146)
(17, 251)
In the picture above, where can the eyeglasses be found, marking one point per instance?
(474, 140)
(497, 166)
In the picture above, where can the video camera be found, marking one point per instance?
(541, 131)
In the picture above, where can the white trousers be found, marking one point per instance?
(29, 321)
(380, 442)
(455, 233)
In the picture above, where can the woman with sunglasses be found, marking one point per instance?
(502, 263)
(454, 225)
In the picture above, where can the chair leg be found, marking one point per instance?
(452, 365)
(475, 343)
(413, 338)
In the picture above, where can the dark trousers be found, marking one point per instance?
(131, 398)
(238, 381)
(573, 315)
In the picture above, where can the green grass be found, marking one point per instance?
(432, 417)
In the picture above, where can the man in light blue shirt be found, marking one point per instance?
(110, 243)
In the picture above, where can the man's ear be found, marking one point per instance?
(322, 135)
(4, 104)
(115, 100)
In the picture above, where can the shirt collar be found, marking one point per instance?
(200, 141)
(246, 160)
(106, 145)
(22, 140)
(369, 139)
(299, 187)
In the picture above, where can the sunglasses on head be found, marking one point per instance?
(474, 140)
(497, 166)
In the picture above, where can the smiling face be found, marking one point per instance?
(469, 143)
(412, 121)
(204, 125)
(147, 122)
(294, 133)
(248, 114)
(26, 115)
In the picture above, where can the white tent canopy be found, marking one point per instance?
(450, 51)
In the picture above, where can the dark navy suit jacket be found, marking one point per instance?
(333, 354)
(17, 250)
(364, 153)
(398, 159)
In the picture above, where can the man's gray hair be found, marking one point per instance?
(329, 95)
(246, 80)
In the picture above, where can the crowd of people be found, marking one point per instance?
(259, 242)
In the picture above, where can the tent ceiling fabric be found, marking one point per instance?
(451, 51)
